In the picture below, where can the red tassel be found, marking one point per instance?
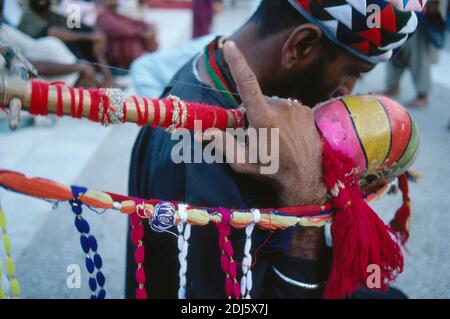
(400, 223)
(360, 238)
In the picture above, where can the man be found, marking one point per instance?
(52, 59)
(127, 38)
(203, 14)
(306, 50)
(418, 55)
(39, 20)
(294, 49)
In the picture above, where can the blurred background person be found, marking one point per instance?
(127, 38)
(204, 11)
(88, 10)
(135, 9)
(419, 53)
(39, 20)
(51, 58)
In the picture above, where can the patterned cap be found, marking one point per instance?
(353, 23)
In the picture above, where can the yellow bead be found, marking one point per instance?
(7, 244)
(15, 288)
(11, 268)
(2, 294)
(2, 220)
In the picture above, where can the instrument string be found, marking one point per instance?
(203, 86)
(145, 74)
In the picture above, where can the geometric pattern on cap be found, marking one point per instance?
(347, 22)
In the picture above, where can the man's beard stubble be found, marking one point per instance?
(38, 7)
(308, 87)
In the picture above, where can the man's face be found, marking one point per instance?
(40, 5)
(322, 79)
(111, 4)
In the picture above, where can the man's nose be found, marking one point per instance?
(346, 88)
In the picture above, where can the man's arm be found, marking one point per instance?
(69, 36)
(87, 73)
(54, 69)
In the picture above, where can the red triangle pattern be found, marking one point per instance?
(362, 47)
(373, 35)
(388, 19)
(305, 4)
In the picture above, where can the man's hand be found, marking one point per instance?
(99, 41)
(19, 67)
(87, 75)
(299, 178)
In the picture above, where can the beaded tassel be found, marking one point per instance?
(137, 236)
(184, 231)
(2, 293)
(232, 288)
(246, 280)
(88, 243)
(10, 266)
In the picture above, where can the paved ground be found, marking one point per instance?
(45, 242)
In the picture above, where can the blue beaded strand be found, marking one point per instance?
(89, 246)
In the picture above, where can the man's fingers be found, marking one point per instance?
(244, 77)
(17, 70)
(24, 66)
(15, 106)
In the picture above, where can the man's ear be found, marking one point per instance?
(301, 46)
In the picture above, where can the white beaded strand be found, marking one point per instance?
(184, 231)
(246, 280)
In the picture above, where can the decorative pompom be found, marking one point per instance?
(400, 223)
(360, 238)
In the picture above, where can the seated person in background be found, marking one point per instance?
(127, 38)
(88, 10)
(52, 59)
(86, 43)
(134, 9)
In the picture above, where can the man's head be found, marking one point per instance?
(40, 6)
(313, 58)
(111, 4)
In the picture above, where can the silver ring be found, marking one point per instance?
(294, 101)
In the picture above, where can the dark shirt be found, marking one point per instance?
(153, 175)
(35, 26)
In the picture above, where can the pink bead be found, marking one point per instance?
(227, 230)
(139, 255)
(134, 237)
(139, 231)
(228, 287)
(141, 293)
(140, 275)
(236, 290)
(223, 229)
(228, 248)
(232, 269)
(224, 262)
(134, 219)
(221, 242)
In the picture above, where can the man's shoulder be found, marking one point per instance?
(31, 23)
(186, 85)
